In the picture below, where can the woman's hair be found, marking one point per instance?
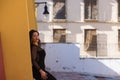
(30, 36)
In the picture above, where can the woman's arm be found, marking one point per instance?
(34, 56)
(34, 62)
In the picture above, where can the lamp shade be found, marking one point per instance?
(45, 10)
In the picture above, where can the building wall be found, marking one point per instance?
(106, 13)
(107, 36)
(106, 26)
(16, 19)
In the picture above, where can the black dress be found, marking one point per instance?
(38, 59)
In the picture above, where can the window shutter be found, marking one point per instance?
(59, 9)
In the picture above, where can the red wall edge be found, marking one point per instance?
(2, 73)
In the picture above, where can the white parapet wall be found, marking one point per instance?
(66, 58)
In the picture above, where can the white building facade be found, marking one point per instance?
(81, 35)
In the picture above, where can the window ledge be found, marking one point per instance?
(86, 21)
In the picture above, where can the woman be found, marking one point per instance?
(38, 58)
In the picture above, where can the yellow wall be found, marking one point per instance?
(16, 19)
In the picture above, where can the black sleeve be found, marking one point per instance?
(34, 56)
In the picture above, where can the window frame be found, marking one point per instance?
(119, 40)
(59, 20)
(88, 50)
(60, 39)
(91, 19)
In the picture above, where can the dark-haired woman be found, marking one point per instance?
(38, 58)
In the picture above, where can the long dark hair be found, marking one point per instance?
(30, 36)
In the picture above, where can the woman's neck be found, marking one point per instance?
(35, 43)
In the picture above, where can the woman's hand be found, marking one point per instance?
(43, 74)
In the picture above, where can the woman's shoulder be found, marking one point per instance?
(37, 47)
(34, 46)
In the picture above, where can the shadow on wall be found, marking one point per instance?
(65, 58)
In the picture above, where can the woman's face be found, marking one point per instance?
(35, 37)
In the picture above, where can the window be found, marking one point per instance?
(59, 35)
(119, 10)
(59, 9)
(90, 42)
(102, 48)
(91, 9)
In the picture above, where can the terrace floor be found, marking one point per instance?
(78, 76)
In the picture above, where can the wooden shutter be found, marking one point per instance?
(59, 9)
(119, 40)
(59, 35)
(119, 9)
(90, 42)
